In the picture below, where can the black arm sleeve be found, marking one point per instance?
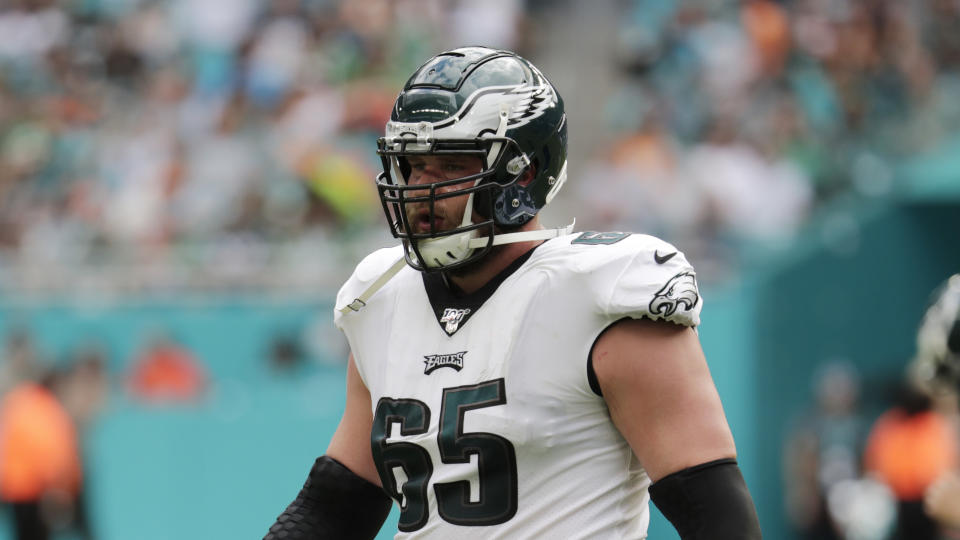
(334, 503)
(708, 501)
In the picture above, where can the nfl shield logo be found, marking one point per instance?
(452, 317)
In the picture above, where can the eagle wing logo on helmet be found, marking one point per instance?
(536, 101)
(681, 290)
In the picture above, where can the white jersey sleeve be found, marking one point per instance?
(636, 276)
(655, 281)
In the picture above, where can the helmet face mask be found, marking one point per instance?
(481, 102)
(438, 249)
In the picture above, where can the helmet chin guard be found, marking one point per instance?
(444, 251)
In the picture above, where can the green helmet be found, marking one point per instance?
(485, 102)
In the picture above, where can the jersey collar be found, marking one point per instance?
(452, 307)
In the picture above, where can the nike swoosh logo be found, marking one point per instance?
(663, 259)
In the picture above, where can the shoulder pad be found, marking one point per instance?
(632, 275)
(370, 268)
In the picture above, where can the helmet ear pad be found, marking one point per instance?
(510, 204)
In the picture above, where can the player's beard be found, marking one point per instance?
(419, 219)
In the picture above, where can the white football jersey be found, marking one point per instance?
(487, 420)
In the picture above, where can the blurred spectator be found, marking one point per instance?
(862, 509)
(749, 195)
(19, 361)
(166, 372)
(84, 386)
(824, 451)
(83, 390)
(40, 468)
(772, 107)
(640, 185)
(942, 500)
(493, 23)
(768, 27)
(909, 447)
(286, 352)
(222, 169)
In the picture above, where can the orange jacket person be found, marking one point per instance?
(38, 454)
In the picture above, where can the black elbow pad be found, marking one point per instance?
(334, 503)
(708, 501)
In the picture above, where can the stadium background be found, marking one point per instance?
(202, 168)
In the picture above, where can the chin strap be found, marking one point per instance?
(525, 236)
(476, 243)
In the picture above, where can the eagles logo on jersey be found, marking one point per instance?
(680, 291)
(433, 362)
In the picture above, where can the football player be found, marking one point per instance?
(506, 380)
(937, 368)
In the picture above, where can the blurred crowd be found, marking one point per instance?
(738, 118)
(49, 408)
(156, 145)
(893, 473)
(201, 143)
(850, 474)
(46, 412)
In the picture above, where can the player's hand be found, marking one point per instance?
(942, 499)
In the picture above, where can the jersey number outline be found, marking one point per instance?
(593, 238)
(496, 458)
